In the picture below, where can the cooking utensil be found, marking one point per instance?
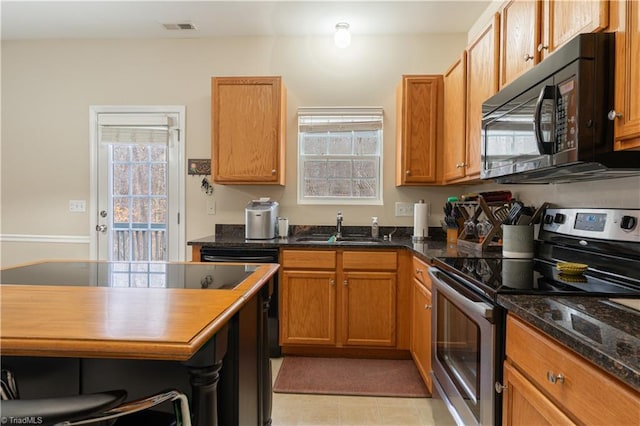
(514, 213)
(536, 216)
(501, 213)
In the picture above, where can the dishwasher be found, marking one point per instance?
(252, 255)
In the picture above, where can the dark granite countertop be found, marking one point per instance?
(434, 246)
(605, 333)
(601, 331)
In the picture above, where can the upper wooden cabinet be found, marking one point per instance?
(248, 130)
(562, 20)
(482, 83)
(419, 114)
(519, 38)
(532, 30)
(627, 79)
(455, 99)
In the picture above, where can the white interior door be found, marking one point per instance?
(138, 184)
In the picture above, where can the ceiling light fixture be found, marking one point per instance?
(342, 36)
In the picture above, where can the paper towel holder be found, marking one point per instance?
(417, 225)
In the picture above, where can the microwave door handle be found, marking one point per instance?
(544, 147)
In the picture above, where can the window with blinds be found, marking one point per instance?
(340, 155)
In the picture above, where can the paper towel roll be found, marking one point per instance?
(420, 221)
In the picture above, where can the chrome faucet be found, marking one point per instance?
(339, 225)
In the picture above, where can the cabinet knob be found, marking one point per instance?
(273, 172)
(461, 165)
(542, 47)
(332, 282)
(500, 387)
(345, 282)
(613, 114)
(427, 307)
(419, 271)
(528, 57)
(554, 378)
(408, 172)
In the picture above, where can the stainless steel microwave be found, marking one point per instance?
(551, 124)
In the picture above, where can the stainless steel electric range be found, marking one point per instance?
(468, 323)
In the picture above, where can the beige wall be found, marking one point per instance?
(48, 86)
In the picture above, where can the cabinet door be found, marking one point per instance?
(369, 308)
(419, 108)
(247, 130)
(308, 307)
(627, 80)
(421, 330)
(482, 83)
(524, 405)
(562, 20)
(455, 100)
(519, 38)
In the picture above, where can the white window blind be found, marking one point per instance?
(133, 128)
(340, 155)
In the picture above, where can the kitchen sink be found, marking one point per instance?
(355, 240)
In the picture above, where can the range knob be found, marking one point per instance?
(559, 218)
(548, 219)
(628, 222)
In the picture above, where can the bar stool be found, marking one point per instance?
(84, 409)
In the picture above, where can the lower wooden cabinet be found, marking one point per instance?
(546, 383)
(338, 298)
(369, 309)
(308, 307)
(524, 405)
(421, 321)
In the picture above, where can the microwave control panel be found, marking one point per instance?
(566, 111)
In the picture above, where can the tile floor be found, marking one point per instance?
(326, 410)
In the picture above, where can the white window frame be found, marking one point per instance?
(348, 114)
(178, 173)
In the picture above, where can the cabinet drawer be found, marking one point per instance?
(420, 270)
(586, 392)
(370, 260)
(315, 259)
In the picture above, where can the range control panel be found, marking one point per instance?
(606, 224)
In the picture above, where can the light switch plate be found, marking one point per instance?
(211, 205)
(77, 206)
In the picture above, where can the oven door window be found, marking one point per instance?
(458, 350)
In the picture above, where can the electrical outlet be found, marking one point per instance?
(211, 205)
(404, 209)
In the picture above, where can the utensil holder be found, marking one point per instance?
(517, 241)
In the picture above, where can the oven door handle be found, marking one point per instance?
(481, 309)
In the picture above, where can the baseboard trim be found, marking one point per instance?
(32, 238)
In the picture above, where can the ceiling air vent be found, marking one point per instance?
(180, 26)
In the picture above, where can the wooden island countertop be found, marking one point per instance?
(115, 322)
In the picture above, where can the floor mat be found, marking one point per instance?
(350, 376)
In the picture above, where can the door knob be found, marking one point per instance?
(613, 114)
(101, 228)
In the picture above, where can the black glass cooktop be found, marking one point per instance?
(129, 274)
(533, 276)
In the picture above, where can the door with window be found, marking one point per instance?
(138, 180)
